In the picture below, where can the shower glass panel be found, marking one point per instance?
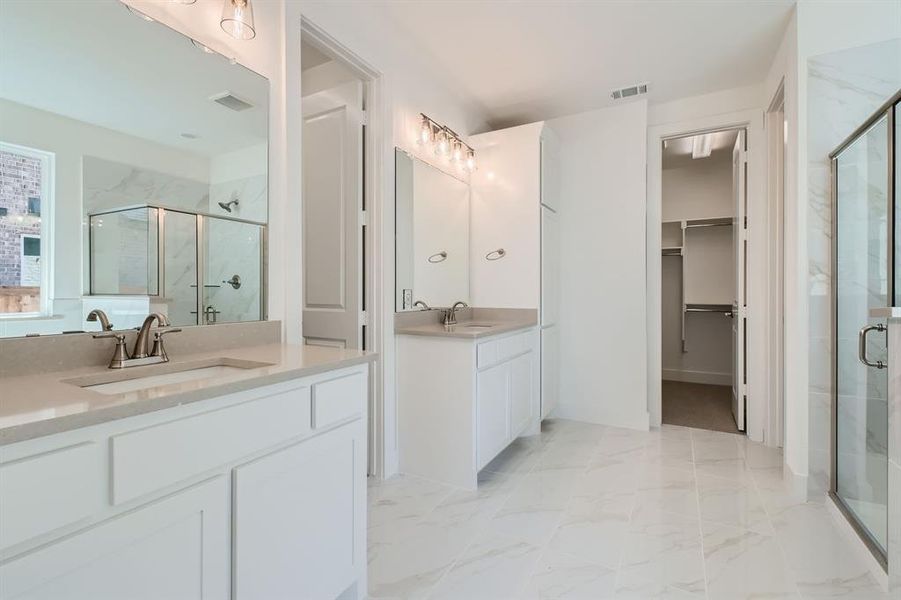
(180, 276)
(862, 259)
(124, 256)
(233, 264)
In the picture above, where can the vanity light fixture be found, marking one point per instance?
(237, 19)
(446, 143)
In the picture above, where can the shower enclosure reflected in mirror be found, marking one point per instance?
(153, 251)
(140, 162)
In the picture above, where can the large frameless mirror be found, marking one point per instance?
(133, 173)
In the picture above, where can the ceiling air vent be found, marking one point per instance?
(627, 92)
(230, 101)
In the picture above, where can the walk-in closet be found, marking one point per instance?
(703, 250)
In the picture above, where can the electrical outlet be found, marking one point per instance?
(408, 298)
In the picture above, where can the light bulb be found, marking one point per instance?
(470, 161)
(425, 130)
(442, 147)
(458, 151)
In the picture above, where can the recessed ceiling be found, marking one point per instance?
(677, 152)
(525, 61)
(99, 63)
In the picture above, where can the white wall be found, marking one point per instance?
(602, 230)
(700, 190)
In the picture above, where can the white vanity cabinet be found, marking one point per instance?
(461, 401)
(255, 494)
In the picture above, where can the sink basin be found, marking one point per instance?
(476, 325)
(142, 378)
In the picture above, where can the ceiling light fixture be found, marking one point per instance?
(701, 146)
(445, 143)
(237, 19)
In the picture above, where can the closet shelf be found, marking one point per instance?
(672, 251)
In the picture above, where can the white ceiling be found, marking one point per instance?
(530, 60)
(95, 61)
(677, 152)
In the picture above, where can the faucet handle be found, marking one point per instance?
(158, 348)
(120, 355)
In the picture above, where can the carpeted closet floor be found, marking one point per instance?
(698, 405)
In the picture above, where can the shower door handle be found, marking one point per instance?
(862, 346)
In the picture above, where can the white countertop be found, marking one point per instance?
(890, 312)
(465, 330)
(42, 404)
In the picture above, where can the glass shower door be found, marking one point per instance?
(862, 234)
(233, 263)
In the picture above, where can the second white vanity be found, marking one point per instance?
(465, 392)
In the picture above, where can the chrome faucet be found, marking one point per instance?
(450, 315)
(143, 354)
(98, 315)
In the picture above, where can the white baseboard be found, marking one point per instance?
(708, 377)
(640, 421)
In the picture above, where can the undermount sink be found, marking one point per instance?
(475, 325)
(142, 378)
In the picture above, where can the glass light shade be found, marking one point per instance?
(443, 145)
(470, 161)
(237, 19)
(425, 131)
(458, 152)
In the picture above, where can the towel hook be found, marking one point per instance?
(496, 254)
(438, 257)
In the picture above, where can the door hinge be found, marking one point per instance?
(364, 218)
(364, 318)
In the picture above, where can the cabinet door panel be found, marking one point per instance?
(175, 548)
(295, 516)
(493, 412)
(521, 392)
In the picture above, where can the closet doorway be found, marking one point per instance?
(703, 280)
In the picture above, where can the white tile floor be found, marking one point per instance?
(586, 511)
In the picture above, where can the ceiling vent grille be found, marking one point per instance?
(231, 102)
(627, 92)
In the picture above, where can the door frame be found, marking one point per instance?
(758, 310)
(776, 187)
(377, 187)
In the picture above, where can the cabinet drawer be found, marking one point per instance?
(338, 399)
(162, 455)
(494, 351)
(45, 492)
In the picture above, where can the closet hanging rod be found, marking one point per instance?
(709, 223)
(672, 251)
(709, 308)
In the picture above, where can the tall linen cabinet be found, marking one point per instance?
(515, 254)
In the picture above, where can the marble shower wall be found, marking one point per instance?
(843, 89)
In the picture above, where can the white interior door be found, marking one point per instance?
(739, 304)
(332, 223)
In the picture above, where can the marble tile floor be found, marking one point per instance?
(590, 512)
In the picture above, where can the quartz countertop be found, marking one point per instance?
(466, 329)
(43, 404)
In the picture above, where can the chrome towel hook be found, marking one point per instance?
(438, 257)
(496, 254)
